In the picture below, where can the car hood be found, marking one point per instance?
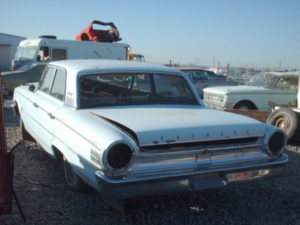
(165, 125)
(238, 89)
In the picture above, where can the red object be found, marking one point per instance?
(91, 34)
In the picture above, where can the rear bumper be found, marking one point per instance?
(128, 188)
(15, 109)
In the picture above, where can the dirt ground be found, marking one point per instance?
(46, 200)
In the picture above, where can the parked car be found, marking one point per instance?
(262, 92)
(132, 129)
(203, 78)
(13, 79)
(136, 57)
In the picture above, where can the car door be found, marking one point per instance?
(29, 108)
(287, 89)
(49, 98)
(285, 93)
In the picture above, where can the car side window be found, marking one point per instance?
(47, 80)
(142, 83)
(171, 87)
(190, 75)
(59, 85)
(201, 75)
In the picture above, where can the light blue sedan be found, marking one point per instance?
(132, 129)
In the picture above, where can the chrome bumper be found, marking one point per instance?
(218, 106)
(14, 107)
(199, 179)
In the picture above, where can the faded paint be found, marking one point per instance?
(232, 142)
(288, 105)
(189, 123)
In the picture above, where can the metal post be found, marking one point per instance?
(6, 164)
(2, 123)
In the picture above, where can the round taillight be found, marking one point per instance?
(119, 156)
(276, 143)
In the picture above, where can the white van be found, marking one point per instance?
(48, 48)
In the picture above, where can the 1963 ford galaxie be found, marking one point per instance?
(133, 129)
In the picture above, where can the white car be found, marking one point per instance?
(132, 129)
(263, 92)
(202, 78)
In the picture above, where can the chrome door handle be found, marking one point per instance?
(51, 115)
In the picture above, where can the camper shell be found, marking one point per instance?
(51, 49)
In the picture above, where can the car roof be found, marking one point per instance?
(94, 65)
(285, 74)
(191, 68)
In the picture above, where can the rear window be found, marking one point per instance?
(134, 89)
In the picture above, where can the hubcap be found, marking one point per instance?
(283, 122)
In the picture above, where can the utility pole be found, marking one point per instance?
(227, 71)
(279, 65)
(197, 61)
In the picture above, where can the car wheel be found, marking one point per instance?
(24, 133)
(84, 37)
(285, 119)
(245, 106)
(72, 179)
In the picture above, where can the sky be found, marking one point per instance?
(254, 33)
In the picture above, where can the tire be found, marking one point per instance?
(285, 119)
(24, 134)
(84, 37)
(245, 106)
(72, 179)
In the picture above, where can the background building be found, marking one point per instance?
(8, 47)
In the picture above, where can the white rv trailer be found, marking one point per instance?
(48, 48)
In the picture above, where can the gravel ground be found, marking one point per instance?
(46, 200)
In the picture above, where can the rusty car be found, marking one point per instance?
(262, 92)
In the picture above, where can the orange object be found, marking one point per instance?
(91, 34)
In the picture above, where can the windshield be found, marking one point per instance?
(266, 80)
(134, 89)
(25, 53)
